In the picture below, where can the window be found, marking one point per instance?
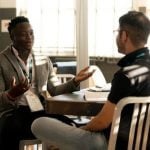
(55, 25)
(103, 19)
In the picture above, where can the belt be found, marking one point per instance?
(23, 108)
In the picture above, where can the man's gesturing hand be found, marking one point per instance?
(18, 89)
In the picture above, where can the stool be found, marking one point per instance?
(35, 144)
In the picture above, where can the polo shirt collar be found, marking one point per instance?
(130, 58)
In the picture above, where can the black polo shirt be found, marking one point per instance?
(132, 79)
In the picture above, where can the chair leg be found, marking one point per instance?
(30, 145)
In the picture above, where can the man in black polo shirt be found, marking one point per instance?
(132, 79)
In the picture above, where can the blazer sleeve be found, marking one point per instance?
(5, 103)
(54, 87)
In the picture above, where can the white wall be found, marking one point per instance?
(82, 38)
(7, 3)
(142, 3)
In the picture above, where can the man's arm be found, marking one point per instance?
(54, 87)
(103, 119)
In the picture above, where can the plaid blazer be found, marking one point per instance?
(45, 78)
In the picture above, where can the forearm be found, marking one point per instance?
(95, 125)
(103, 119)
(67, 87)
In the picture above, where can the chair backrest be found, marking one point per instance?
(140, 123)
(64, 77)
(97, 79)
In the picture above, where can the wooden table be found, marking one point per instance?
(73, 104)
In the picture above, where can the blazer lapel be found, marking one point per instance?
(13, 60)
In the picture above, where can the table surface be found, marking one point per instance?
(74, 104)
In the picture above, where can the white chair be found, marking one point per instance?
(64, 77)
(140, 123)
(34, 144)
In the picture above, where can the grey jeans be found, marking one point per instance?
(67, 137)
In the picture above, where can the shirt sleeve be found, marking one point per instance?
(121, 87)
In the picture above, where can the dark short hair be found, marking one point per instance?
(137, 25)
(19, 19)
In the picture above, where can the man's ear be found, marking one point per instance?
(124, 36)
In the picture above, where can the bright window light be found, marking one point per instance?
(55, 21)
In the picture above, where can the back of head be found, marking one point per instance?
(137, 25)
(15, 21)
